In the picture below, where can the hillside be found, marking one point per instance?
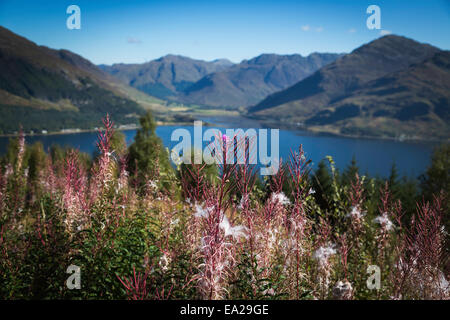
(414, 102)
(218, 83)
(46, 89)
(167, 76)
(391, 87)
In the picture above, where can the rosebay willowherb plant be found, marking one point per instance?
(210, 231)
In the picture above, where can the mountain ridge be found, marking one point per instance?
(352, 69)
(165, 76)
(234, 85)
(251, 80)
(47, 89)
(342, 97)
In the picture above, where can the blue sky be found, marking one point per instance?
(136, 31)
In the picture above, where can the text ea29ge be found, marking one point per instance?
(243, 309)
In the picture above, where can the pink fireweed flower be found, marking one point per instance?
(323, 253)
(8, 170)
(355, 213)
(280, 198)
(73, 196)
(152, 185)
(122, 182)
(201, 212)
(235, 232)
(442, 284)
(343, 290)
(384, 222)
(243, 202)
(21, 150)
(102, 171)
(136, 286)
(164, 262)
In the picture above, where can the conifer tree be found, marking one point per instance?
(147, 156)
(350, 172)
(322, 184)
(394, 183)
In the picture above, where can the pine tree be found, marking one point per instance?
(147, 155)
(437, 176)
(408, 196)
(394, 184)
(322, 184)
(194, 177)
(437, 179)
(350, 172)
(36, 161)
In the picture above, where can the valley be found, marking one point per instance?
(390, 88)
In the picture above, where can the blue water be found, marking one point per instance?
(373, 156)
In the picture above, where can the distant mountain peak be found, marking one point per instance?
(393, 41)
(251, 80)
(223, 62)
(219, 82)
(166, 76)
(391, 86)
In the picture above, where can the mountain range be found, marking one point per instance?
(167, 76)
(219, 83)
(390, 87)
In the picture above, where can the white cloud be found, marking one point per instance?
(352, 30)
(385, 32)
(305, 28)
(319, 29)
(133, 40)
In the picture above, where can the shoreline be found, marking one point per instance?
(306, 131)
(55, 133)
(84, 141)
(293, 127)
(263, 124)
